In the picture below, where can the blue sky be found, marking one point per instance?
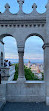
(27, 7)
(33, 46)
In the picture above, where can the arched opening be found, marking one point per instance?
(34, 58)
(10, 49)
(10, 58)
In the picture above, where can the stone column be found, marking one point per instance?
(21, 75)
(0, 61)
(44, 60)
(46, 70)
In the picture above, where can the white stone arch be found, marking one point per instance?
(35, 34)
(7, 34)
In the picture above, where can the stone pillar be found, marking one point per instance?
(0, 60)
(21, 75)
(44, 61)
(46, 70)
(0, 75)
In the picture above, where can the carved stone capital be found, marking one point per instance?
(45, 45)
(21, 50)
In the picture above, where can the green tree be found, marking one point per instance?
(28, 73)
(16, 72)
(42, 76)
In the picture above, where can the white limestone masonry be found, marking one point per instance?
(21, 26)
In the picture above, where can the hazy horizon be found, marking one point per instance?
(25, 61)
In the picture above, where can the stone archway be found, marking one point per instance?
(35, 34)
(10, 55)
(10, 47)
(34, 54)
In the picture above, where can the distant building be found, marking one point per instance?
(41, 67)
(34, 68)
(29, 64)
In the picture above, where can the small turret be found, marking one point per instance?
(20, 2)
(7, 7)
(34, 6)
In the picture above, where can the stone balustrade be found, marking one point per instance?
(7, 73)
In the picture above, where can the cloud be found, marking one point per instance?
(10, 48)
(34, 56)
(11, 56)
(34, 45)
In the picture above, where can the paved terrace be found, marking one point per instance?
(25, 107)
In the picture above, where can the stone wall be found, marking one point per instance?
(3, 92)
(31, 91)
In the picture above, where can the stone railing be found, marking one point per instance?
(7, 73)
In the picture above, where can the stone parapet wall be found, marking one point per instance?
(25, 92)
(3, 92)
